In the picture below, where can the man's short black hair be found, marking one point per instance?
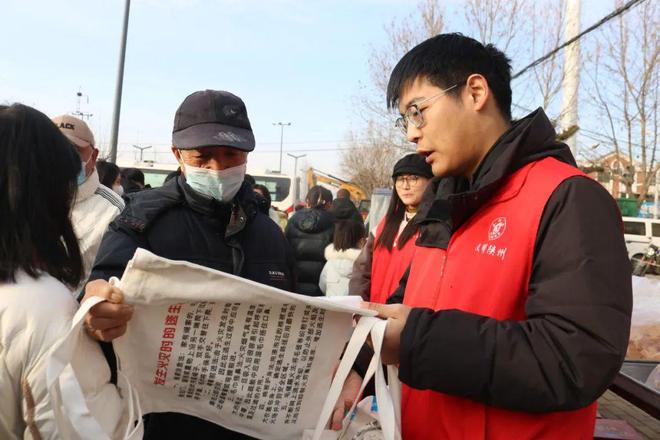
(108, 172)
(449, 59)
(249, 179)
(132, 180)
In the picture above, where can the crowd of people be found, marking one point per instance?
(508, 304)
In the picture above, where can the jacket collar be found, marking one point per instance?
(88, 187)
(233, 215)
(452, 200)
(145, 206)
(331, 253)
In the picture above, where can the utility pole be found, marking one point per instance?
(119, 86)
(282, 125)
(571, 80)
(296, 192)
(655, 198)
(141, 150)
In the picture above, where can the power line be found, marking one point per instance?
(338, 141)
(307, 150)
(598, 24)
(608, 140)
(590, 134)
(521, 107)
(257, 151)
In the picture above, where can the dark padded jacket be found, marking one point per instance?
(177, 223)
(309, 231)
(570, 347)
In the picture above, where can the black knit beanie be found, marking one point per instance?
(414, 164)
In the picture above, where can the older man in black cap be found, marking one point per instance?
(208, 215)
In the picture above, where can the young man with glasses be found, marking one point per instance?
(517, 303)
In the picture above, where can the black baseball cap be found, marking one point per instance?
(212, 118)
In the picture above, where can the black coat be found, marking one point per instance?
(571, 346)
(177, 223)
(309, 231)
(344, 209)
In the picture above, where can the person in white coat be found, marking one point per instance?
(40, 262)
(340, 255)
(95, 205)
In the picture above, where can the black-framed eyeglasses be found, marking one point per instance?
(413, 114)
(411, 180)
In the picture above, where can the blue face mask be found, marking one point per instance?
(221, 185)
(82, 176)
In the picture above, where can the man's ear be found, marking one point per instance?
(95, 154)
(478, 91)
(177, 154)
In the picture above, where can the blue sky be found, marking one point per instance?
(292, 61)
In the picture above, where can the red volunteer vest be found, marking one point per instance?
(387, 267)
(486, 270)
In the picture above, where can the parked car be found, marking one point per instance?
(649, 263)
(639, 233)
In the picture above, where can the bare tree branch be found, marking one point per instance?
(630, 110)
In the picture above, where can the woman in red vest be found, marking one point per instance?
(387, 255)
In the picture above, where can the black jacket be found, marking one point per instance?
(344, 209)
(309, 231)
(177, 223)
(570, 347)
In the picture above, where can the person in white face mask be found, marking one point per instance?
(207, 215)
(96, 205)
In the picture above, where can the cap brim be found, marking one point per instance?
(213, 135)
(77, 141)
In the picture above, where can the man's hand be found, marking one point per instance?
(397, 315)
(107, 320)
(346, 398)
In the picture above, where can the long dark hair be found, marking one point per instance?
(348, 234)
(319, 197)
(395, 212)
(38, 170)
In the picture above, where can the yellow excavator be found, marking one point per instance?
(314, 177)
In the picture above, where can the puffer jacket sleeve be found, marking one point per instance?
(9, 386)
(323, 279)
(568, 350)
(52, 321)
(360, 278)
(117, 248)
(291, 265)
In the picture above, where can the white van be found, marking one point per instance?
(154, 173)
(279, 185)
(639, 233)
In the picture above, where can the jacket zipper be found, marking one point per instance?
(442, 266)
(442, 275)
